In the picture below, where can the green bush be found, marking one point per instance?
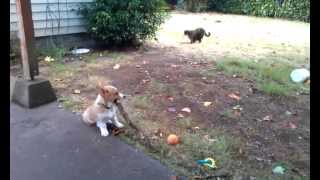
(116, 22)
(195, 5)
(290, 9)
(225, 6)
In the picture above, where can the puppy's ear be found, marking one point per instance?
(100, 88)
(99, 85)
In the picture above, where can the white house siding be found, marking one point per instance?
(52, 17)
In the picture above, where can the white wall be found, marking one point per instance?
(52, 17)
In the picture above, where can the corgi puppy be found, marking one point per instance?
(104, 109)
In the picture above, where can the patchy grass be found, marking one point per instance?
(111, 56)
(185, 123)
(141, 102)
(71, 103)
(55, 52)
(194, 146)
(271, 78)
(148, 109)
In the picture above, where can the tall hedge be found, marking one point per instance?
(290, 9)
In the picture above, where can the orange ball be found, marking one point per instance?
(172, 139)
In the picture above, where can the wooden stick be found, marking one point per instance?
(126, 116)
(131, 124)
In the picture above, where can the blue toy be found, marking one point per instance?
(209, 162)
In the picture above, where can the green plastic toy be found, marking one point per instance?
(209, 162)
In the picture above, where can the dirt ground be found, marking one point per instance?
(166, 76)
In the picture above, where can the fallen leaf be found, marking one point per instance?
(292, 125)
(237, 107)
(117, 66)
(207, 103)
(234, 96)
(237, 113)
(180, 115)
(267, 118)
(196, 128)
(76, 91)
(186, 109)
(209, 139)
(48, 59)
(170, 98)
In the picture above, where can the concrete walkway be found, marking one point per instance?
(49, 143)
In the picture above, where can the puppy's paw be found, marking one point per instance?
(119, 125)
(104, 133)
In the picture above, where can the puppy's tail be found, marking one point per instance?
(207, 34)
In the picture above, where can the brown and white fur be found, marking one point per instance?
(104, 109)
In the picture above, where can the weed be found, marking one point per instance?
(185, 123)
(55, 52)
(273, 88)
(156, 86)
(141, 102)
(229, 114)
(272, 78)
(70, 103)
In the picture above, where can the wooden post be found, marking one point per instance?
(26, 36)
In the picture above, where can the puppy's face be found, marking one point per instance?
(109, 93)
(186, 32)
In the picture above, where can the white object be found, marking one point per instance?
(80, 51)
(278, 170)
(117, 66)
(186, 109)
(300, 75)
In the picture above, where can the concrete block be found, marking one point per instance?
(32, 94)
